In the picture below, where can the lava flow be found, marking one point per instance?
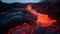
(43, 19)
(22, 29)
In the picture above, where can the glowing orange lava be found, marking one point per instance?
(22, 28)
(42, 19)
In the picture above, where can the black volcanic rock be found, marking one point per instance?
(15, 17)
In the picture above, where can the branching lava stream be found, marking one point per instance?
(42, 20)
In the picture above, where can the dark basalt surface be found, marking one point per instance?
(15, 14)
(14, 17)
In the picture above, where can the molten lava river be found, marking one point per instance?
(42, 21)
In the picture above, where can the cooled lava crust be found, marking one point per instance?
(15, 17)
(12, 17)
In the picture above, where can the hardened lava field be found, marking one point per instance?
(31, 18)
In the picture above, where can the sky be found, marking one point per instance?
(22, 1)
